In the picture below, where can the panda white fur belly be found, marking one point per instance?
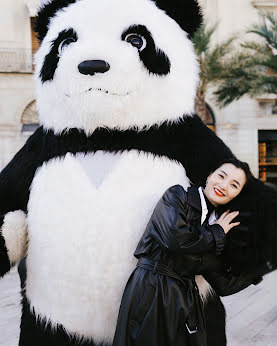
(86, 214)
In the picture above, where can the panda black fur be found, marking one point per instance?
(115, 85)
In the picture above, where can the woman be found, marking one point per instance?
(161, 305)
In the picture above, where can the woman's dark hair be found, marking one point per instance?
(239, 164)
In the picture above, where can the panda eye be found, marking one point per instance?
(65, 43)
(136, 41)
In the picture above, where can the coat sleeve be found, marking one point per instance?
(15, 181)
(171, 226)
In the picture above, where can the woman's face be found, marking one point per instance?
(224, 184)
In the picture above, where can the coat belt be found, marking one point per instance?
(187, 282)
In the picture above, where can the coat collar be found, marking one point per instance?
(194, 197)
(197, 200)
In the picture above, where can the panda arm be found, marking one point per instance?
(226, 283)
(15, 181)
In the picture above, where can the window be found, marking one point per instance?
(268, 157)
(35, 41)
(30, 121)
(268, 107)
(210, 120)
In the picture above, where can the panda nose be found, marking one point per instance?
(93, 66)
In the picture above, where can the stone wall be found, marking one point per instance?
(16, 89)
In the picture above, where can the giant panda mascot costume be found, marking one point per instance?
(115, 81)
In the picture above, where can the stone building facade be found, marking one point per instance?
(17, 96)
(241, 125)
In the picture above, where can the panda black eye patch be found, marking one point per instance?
(153, 58)
(65, 38)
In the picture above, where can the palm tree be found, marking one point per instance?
(267, 30)
(252, 71)
(213, 62)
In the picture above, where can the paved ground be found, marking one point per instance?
(9, 309)
(251, 314)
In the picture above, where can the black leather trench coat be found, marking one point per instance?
(161, 305)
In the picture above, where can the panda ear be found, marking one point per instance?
(186, 13)
(48, 9)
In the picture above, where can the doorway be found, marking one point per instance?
(268, 157)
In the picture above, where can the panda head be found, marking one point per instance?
(115, 63)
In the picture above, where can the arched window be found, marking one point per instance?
(29, 118)
(210, 121)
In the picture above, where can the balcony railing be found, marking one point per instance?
(264, 3)
(16, 60)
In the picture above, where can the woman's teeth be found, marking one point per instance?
(218, 193)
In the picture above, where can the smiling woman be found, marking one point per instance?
(184, 237)
(227, 181)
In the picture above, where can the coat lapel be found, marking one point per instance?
(197, 200)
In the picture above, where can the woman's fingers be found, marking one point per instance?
(230, 226)
(226, 212)
(232, 215)
(225, 220)
(234, 224)
(224, 215)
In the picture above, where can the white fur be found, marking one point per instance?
(14, 231)
(44, 2)
(83, 231)
(86, 213)
(205, 290)
(64, 103)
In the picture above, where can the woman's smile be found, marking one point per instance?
(218, 192)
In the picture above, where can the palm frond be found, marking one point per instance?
(253, 70)
(210, 57)
(242, 80)
(202, 38)
(267, 30)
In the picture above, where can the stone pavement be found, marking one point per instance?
(251, 314)
(10, 309)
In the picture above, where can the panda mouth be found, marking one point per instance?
(104, 91)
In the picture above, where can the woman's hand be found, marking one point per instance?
(225, 220)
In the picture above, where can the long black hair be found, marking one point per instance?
(250, 244)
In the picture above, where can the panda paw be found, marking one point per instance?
(14, 232)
